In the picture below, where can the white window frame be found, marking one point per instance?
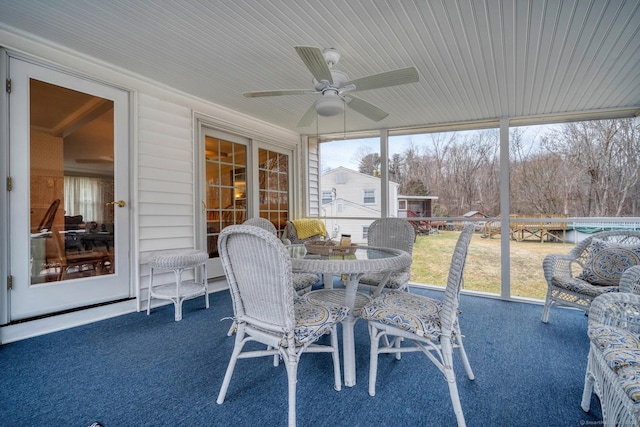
(371, 193)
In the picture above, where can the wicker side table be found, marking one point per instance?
(182, 289)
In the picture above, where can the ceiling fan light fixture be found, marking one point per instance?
(329, 105)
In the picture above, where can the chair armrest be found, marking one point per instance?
(630, 280)
(558, 265)
(621, 310)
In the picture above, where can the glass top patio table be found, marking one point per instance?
(364, 260)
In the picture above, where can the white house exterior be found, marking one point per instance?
(351, 201)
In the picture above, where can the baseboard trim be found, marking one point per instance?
(37, 327)
(34, 328)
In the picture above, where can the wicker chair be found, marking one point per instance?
(302, 282)
(592, 268)
(394, 233)
(430, 325)
(258, 269)
(613, 364)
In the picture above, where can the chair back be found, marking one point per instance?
(451, 300)
(581, 251)
(49, 217)
(396, 233)
(258, 269)
(291, 235)
(263, 223)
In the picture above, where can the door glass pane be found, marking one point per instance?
(71, 166)
(226, 203)
(273, 178)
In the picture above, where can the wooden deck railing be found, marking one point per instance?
(541, 227)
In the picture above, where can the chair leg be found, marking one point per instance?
(450, 376)
(292, 377)
(547, 305)
(237, 348)
(178, 305)
(206, 286)
(150, 286)
(373, 359)
(588, 387)
(463, 354)
(335, 354)
(397, 342)
(177, 301)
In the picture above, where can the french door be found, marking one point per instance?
(241, 179)
(225, 190)
(69, 202)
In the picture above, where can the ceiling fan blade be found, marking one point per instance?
(386, 79)
(308, 117)
(315, 62)
(261, 93)
(366, 109)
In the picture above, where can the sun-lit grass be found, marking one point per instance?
(432, 256)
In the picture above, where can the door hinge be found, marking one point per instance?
(8, 85)
(9, 183)
(10, 282)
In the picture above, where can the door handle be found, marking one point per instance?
(120, 203)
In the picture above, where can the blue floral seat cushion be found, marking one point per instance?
(621, 351)
(413, 313)
(607, 261)
(581, 286)
(302, 281)
(610, 337)
(313, 321)
(629, 380)
(620, 358)
(397, 280)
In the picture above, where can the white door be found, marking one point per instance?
(69, 202)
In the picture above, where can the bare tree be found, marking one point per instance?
(603, 156)
(369, 164)
(579, 169)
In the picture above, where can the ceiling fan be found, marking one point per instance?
(335, 87)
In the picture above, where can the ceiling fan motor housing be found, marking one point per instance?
(330, 104)
(339, 79)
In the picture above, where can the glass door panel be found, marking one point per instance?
(71, 160)
(226, 189)
(273, 181)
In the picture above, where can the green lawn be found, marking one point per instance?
(432, 256)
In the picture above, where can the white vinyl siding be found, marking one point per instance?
(314, 179)
(165, 180)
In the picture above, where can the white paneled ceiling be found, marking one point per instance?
(477, 59)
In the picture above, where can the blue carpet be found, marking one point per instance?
(139, 370)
